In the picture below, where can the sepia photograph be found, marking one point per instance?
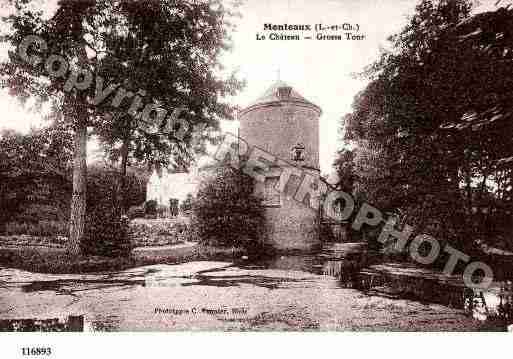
(255, 166)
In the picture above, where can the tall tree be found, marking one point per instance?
(64, 34)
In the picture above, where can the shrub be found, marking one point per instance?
(162, 211)
(51, 228)
(14, 228)
(25, 185)
(135, 188)
(227, 213)
(158, 233)
(34, 212)
(186, 205)
(56, 260)
(173, 206)
(106, 231)
(39, 229)
(326, 232)
(150, 208)
(136, 212)
(10, 228)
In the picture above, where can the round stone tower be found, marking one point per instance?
(285, 124)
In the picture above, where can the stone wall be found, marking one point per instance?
(293, 226)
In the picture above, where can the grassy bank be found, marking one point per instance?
(56, 261)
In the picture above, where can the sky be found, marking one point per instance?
(319, 70)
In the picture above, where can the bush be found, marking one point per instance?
(56, 260)
(35, 212)
(135, 188)
(158, 232)
(162, 211)
(150, 208)
(52, 228)
(106, 233)
(174, 207)
(15, 228)
(136, 212)
(227, 213)
(186, 205)
(39, 229)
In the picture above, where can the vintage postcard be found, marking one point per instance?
(257, 165)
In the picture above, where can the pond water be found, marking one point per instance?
(341, 260)
(296, 292)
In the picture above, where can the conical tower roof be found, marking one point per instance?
(280, 91)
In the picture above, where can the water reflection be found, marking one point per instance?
(345, 260)
(339, 260)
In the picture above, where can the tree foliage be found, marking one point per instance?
(34, 171)
(172, 53)
(433, 127)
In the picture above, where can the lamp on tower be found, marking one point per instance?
(298, 153)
